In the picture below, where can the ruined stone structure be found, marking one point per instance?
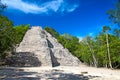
(44, 48)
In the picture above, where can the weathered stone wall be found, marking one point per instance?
(63, 56)
(35, 41)
(45, 48)
(23, 59)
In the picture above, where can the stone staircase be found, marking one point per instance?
(44, 48)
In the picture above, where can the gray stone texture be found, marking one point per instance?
(46, 49)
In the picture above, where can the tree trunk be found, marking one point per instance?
(93, 55)
(108, 51)
(106, 63)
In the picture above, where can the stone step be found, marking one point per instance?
(45, 48)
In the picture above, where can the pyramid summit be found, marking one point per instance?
(39, 48)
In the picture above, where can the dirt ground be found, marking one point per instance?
(58, 73)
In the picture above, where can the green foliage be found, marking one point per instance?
(5, 34)
(20, 32)
(2, 7)
(114, 49)
(52, 31)
(68, 41)
(114, 14)
(106, 28)
(10, 36)
(100, 50)
(117, 32)
(90, 50)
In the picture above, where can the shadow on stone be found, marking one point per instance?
(50, 45)
(59, 75)
(53, 59)
(16, 74)
(20, 74)
(23, 59)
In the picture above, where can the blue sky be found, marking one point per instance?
(76, 17)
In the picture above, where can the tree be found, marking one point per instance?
(89, 42)
(10, 36)
(117, 32)
(67, 36)
(19, 32)
(114, 14)
(106, 29)
(83, 53)
(6, 32)
(2, 7)
(52, 31)
(100, 49)
(68, 41)
(114, 50)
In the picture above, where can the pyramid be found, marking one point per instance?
(39, 48)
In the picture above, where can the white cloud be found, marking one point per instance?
(22, 6)
(55, 6)
(72, 8)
